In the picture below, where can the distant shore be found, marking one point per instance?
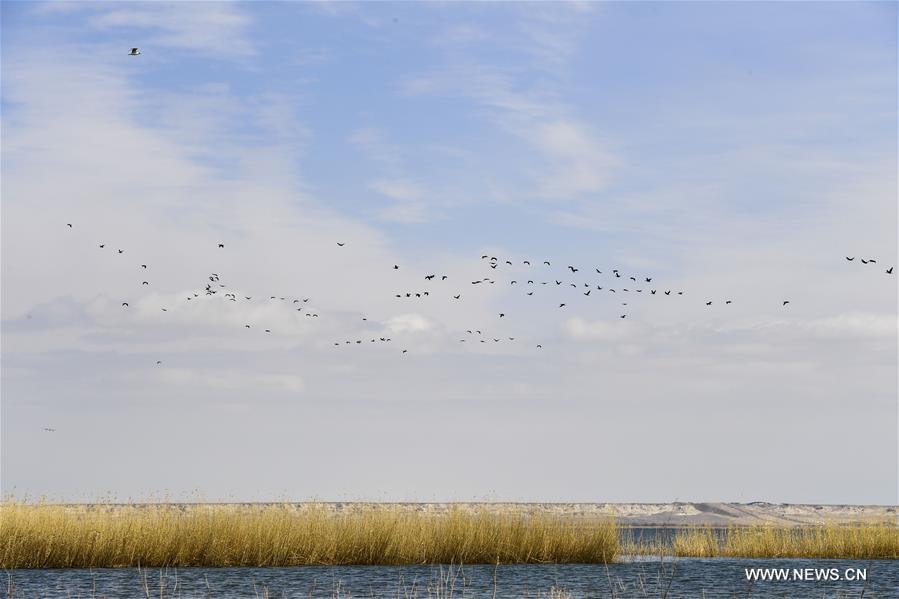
(675, 514)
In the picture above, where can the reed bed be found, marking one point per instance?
(829, 541)
(56, 536)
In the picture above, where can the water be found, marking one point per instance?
(680, 578)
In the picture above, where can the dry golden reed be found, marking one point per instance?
(830, 541)
(56, 536)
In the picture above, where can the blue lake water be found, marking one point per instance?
(672, 578)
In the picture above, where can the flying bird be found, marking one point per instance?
(144, 266)
(341, 243)
(102, 245)
(708, 303)
(134, 52)
(145, 283)
(69, 225)
(786, 302)
(864, 261)
(889, 271)
(457, 296)
(158, 362)
(546, 262)
(121, 251)
(221, 245)
(850, 259)
(561, 305)
(50, 430)
(396, 267)
(124, 304)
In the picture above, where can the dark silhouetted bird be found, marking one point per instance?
(648, 279)
(509, 262)
(588, 292)
(341, 243)
(429, 277)
(457, 296)
(889, 271)
(69, 225)
(668, 292)
(501, 314)
(786, 302)
(864, 261)
(530, 293)
(527, 262)
(121, 251)
(125, 304)
(624, 316)
(708, 303)
(561, 305)
(539, 346)
(143, 266)
(872, 260)
(396, 267)
(158, 361)
(572, 269)
(546, 262)
(134, 52)
(850, 259)
(221, 245)
(102, 245)
(145, 283)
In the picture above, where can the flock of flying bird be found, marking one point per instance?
(614, 283)
(623, 284)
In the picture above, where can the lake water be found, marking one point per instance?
(680, 578)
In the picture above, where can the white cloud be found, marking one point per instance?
(409, 323)
(211, 28)
(231, 380)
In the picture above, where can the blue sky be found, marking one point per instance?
(732, 150)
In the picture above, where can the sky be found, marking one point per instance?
(731, 151)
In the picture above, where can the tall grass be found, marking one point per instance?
(54, 536)
(830, 541)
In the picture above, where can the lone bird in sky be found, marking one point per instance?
(124, 304)
(221, 245)
(786, 302)
(889, 271)
(850, 259)
(134, 52)
(341, 243)
(69, 225)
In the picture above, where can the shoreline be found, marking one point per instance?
(626, 515)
